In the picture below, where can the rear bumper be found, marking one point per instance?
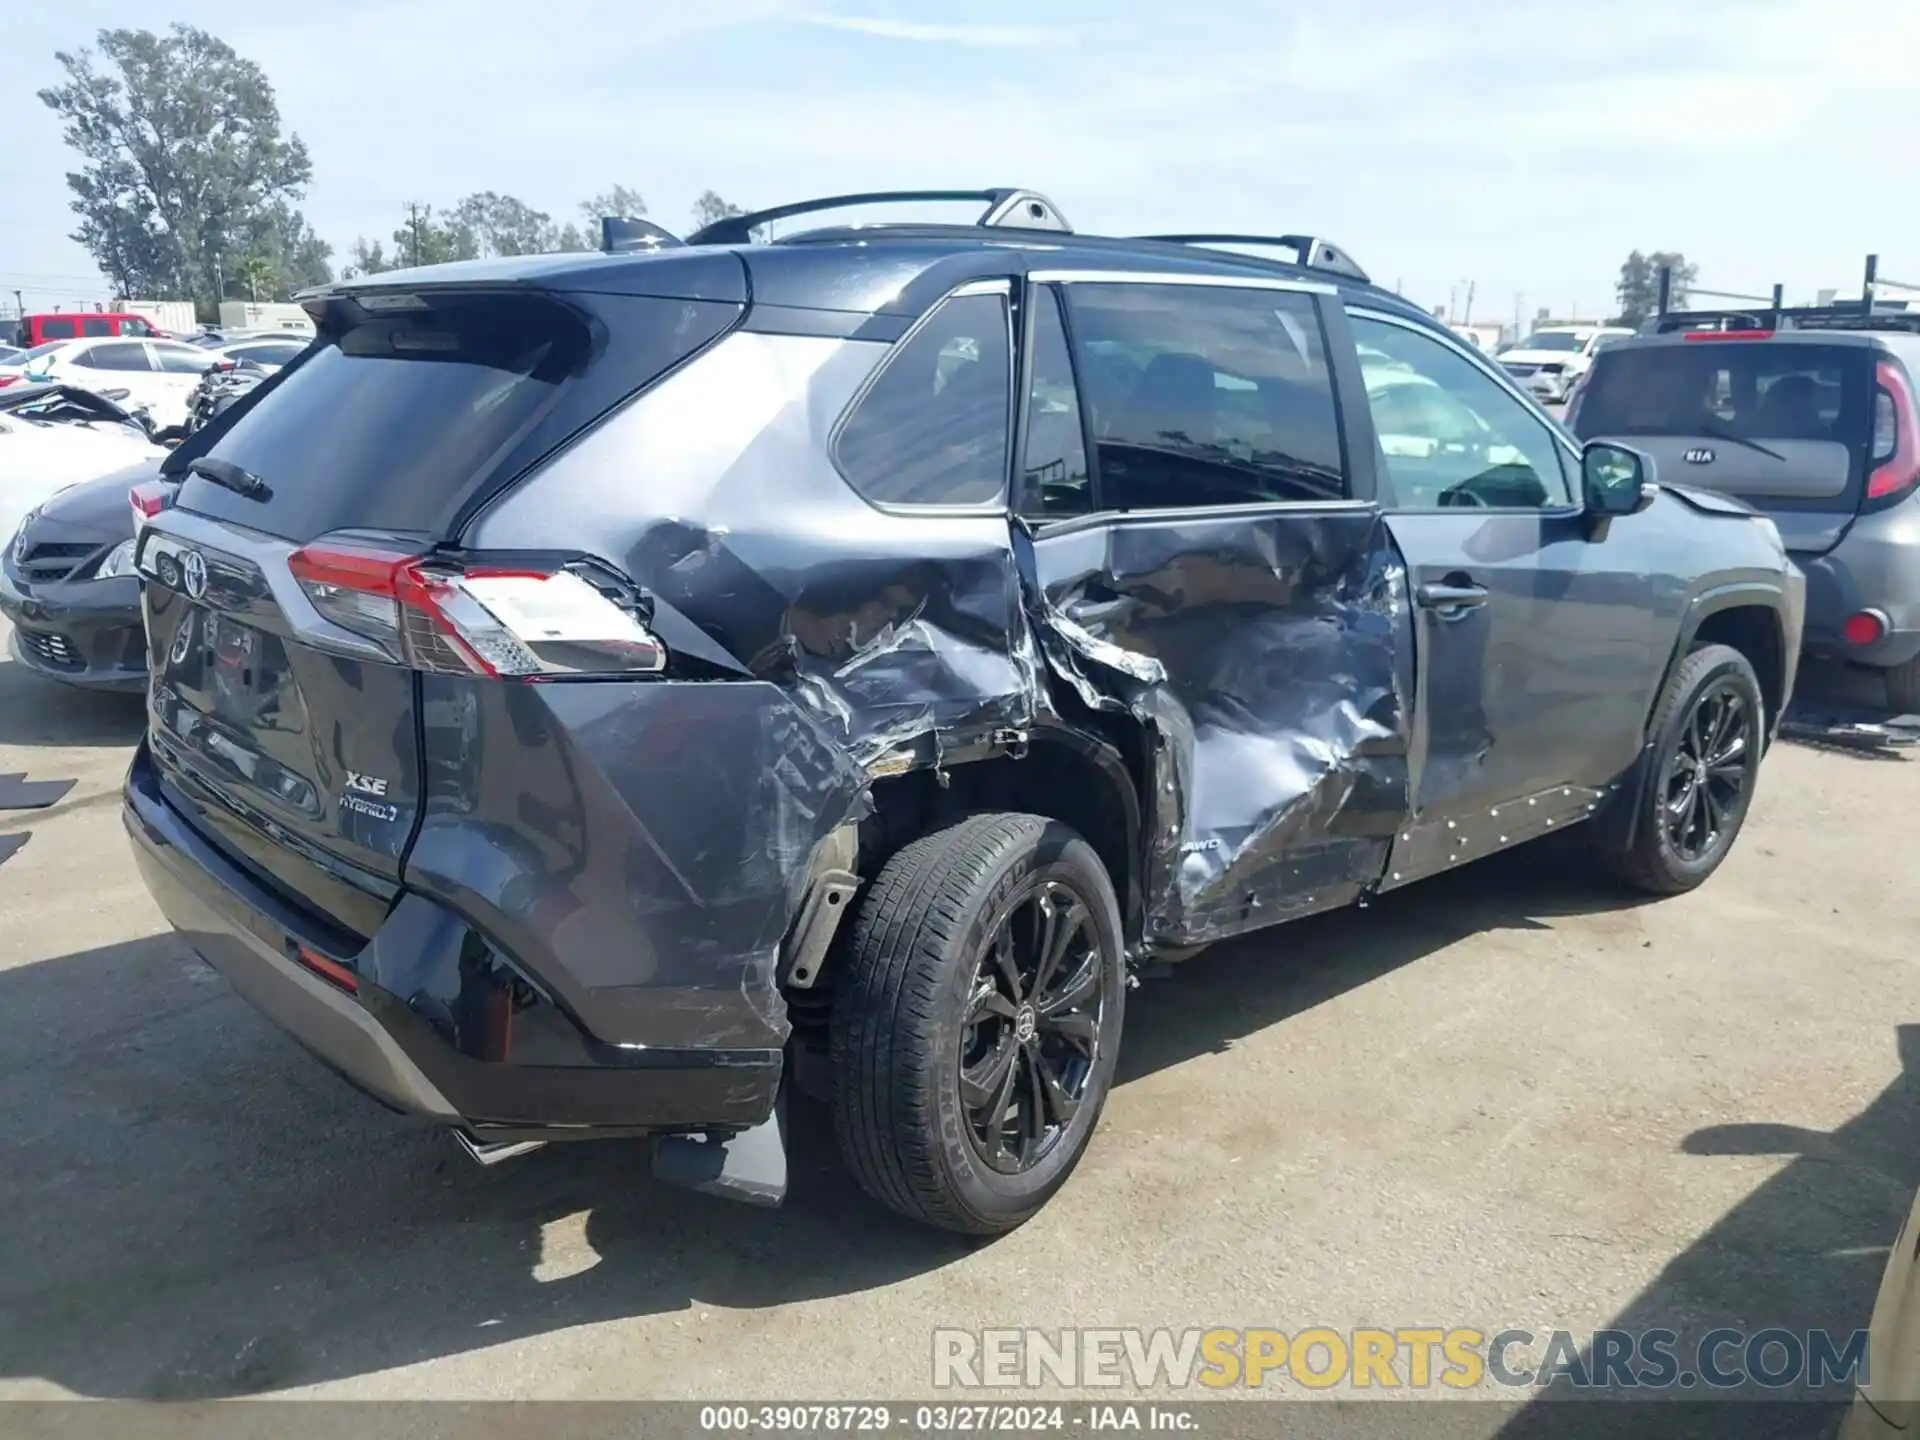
(400, 1048)
(1841, 584)
(86, 634)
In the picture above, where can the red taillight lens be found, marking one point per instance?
(478, 620)
(148, 499)
(331, 969)
(1865, 628)
(1897, 465)
(6, 380)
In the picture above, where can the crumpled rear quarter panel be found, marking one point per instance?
(638, 849)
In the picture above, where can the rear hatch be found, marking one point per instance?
(286, 623)
(1783, 422)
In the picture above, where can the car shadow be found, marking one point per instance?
(195, 1209)
(1804, 1252)
(41, 712)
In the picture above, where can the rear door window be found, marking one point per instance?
(1054, 480)
(932, 427)
(96, 326)
(1201, 395)
(59, 328)
(126, 355)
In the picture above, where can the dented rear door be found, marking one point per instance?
(1201, 566)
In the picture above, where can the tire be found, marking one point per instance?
(1669, 852)
(918, 983)
(1903, 687)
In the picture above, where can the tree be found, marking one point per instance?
(1639, 285)
(711, 206)
(365, 259)
(622, 201)
(183, 160)
(423, 240)
(503, 225)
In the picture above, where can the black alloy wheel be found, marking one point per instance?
(1033, 1027)
(1712, 766)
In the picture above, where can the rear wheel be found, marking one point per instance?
(1708, 734)
(977, 1018)
(1903, 686)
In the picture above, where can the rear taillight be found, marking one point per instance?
(148, 499)
(518, 621)
(1896, 435)
(1708, 336)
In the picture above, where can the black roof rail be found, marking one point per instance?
(1313, 252)
(623, 234)
(1012, 208)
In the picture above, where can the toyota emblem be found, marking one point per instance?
(194, 574)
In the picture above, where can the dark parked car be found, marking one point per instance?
(68, 586)
(588, 689)
(1809, 415)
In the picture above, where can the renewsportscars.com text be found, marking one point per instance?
(1411, 1358)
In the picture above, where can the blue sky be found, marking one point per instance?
(1522, 146)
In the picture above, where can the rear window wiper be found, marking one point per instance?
(231, 477)
(1720, 432)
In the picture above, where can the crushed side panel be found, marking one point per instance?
(1269, 658)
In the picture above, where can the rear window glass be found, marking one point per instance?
(1753, 390)
(393, 423)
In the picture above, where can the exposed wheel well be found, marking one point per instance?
(1754, 631)
(1066, 775)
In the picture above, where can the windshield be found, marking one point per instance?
(40, 351)
(1552, 340)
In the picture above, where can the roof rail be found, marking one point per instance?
(1014, 209)
(1311, 250)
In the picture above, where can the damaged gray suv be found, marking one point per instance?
(590, 691)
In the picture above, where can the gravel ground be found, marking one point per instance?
(1510, 1096)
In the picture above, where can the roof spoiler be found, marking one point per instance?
(1006, 208)
(624, 234)
(1310, 250)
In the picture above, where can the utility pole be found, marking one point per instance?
(1467, 319)
(413, 227)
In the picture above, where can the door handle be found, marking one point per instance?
(1450, 599)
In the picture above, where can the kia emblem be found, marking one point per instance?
(1699, 455)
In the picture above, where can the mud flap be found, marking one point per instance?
(750, 1165)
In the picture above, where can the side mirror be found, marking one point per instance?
(1615, 480)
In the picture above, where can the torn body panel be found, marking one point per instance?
(640, 850)
(900, 632)
(1268, 654)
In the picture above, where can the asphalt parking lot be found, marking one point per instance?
(1507, 1097)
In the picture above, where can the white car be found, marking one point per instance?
(1550, 360)
(158, 375)
(269, 351)
(51, 438)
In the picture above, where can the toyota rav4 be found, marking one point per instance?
(589, 691)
